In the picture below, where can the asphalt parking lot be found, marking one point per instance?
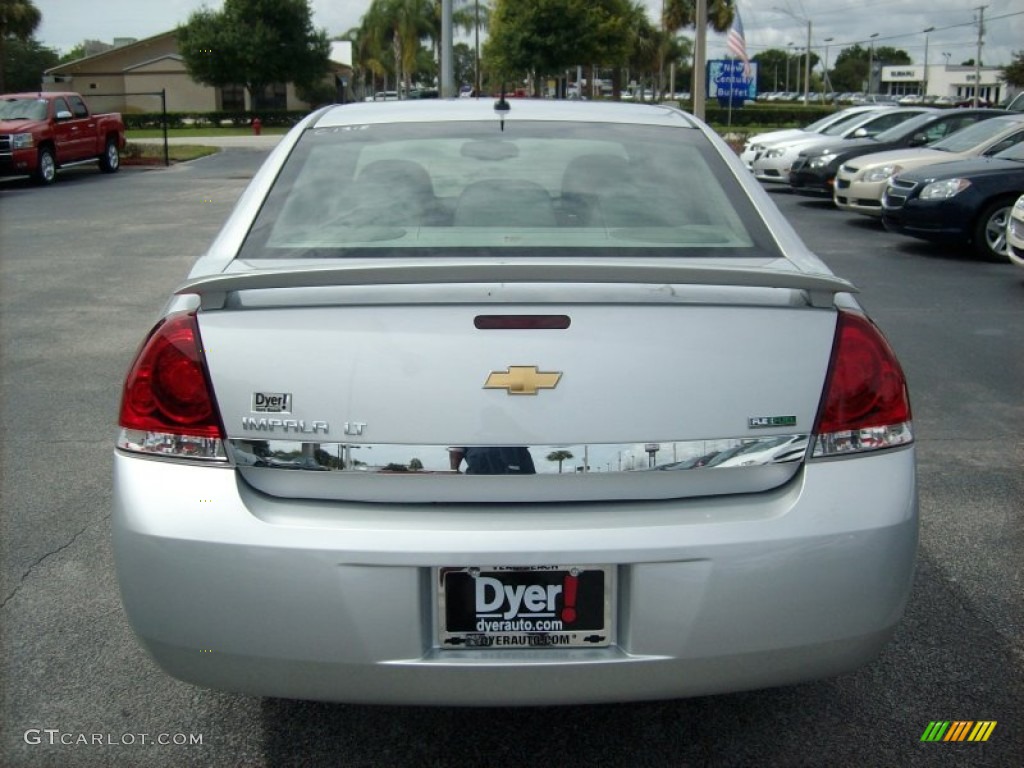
(86, 264)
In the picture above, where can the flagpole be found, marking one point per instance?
(700, 59)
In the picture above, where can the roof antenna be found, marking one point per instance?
(502, 107)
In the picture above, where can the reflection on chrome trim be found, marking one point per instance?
(171, 446)
(397, 459)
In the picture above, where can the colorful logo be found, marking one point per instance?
(958, 730)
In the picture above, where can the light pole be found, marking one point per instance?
(476, 58)
(827, 82)
(871, 64)
(924, 85)
(807, 61)
(789, 55)
(447, 71)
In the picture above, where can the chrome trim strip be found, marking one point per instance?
(572, 460)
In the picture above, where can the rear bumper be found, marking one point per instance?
(231, 589)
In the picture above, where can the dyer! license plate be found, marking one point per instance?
(555, 606)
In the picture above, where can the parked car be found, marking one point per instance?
(43, 132)
(814, 170)
(776, 161)
(1014, 103)
(1015, 233)
(403, 285)
(861, 182)
(757, 143)
(968, 201)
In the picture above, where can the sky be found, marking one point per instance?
(898, 23)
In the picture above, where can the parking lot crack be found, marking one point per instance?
(40, 559)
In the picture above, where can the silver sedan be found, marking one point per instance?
(528, 402)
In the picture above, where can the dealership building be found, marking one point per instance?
(955, 82)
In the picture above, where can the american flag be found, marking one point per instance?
(737, 44)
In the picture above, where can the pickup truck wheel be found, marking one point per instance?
(990, 231)
(46, 169)
(110, 160)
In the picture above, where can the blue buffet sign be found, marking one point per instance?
(726, 80)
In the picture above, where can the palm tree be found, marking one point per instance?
(647, 47)
(683, 13)
(463, 18)
(678, 14)
(18, 19)
(409, 22)
(559, 456)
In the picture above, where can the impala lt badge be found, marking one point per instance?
(522, 380)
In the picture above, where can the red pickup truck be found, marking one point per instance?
(41, 132)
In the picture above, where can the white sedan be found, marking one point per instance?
(776, 159)
(391, 440)
(1015, 233)
(755, 145)
(861, 182)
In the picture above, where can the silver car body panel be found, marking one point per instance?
(296, 565)
(755, 590)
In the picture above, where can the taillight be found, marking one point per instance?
(865, 405)
(167, 408)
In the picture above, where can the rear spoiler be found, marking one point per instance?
(213, 290)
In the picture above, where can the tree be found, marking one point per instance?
(678, 14)
(851, 68)
(76, 53)
(25, 62)
(1013, 73)
(683, 13)
(255, 43)
(559, 456)
(463, 63)
(648, 47)
(19, 20)
(390, 35)
(546, 37)
(771, 69)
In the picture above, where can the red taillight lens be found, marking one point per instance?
(167, 390)
(866, 405)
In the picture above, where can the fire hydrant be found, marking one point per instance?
(257, 126)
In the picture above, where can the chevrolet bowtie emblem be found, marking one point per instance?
(522, 380)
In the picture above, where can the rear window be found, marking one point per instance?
(531, 188)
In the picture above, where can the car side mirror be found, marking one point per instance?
(860, 133)
(63, 115)
(918, 140)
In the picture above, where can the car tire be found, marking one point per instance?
(990, 231)
(110, 160)
(46, 167)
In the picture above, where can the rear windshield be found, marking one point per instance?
(529, 188)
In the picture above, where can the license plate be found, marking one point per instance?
(557, 606)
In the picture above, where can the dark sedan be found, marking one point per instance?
(968, 201)
(814, 171)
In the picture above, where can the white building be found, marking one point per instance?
(956, 82)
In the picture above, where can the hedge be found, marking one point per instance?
(269, 117)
